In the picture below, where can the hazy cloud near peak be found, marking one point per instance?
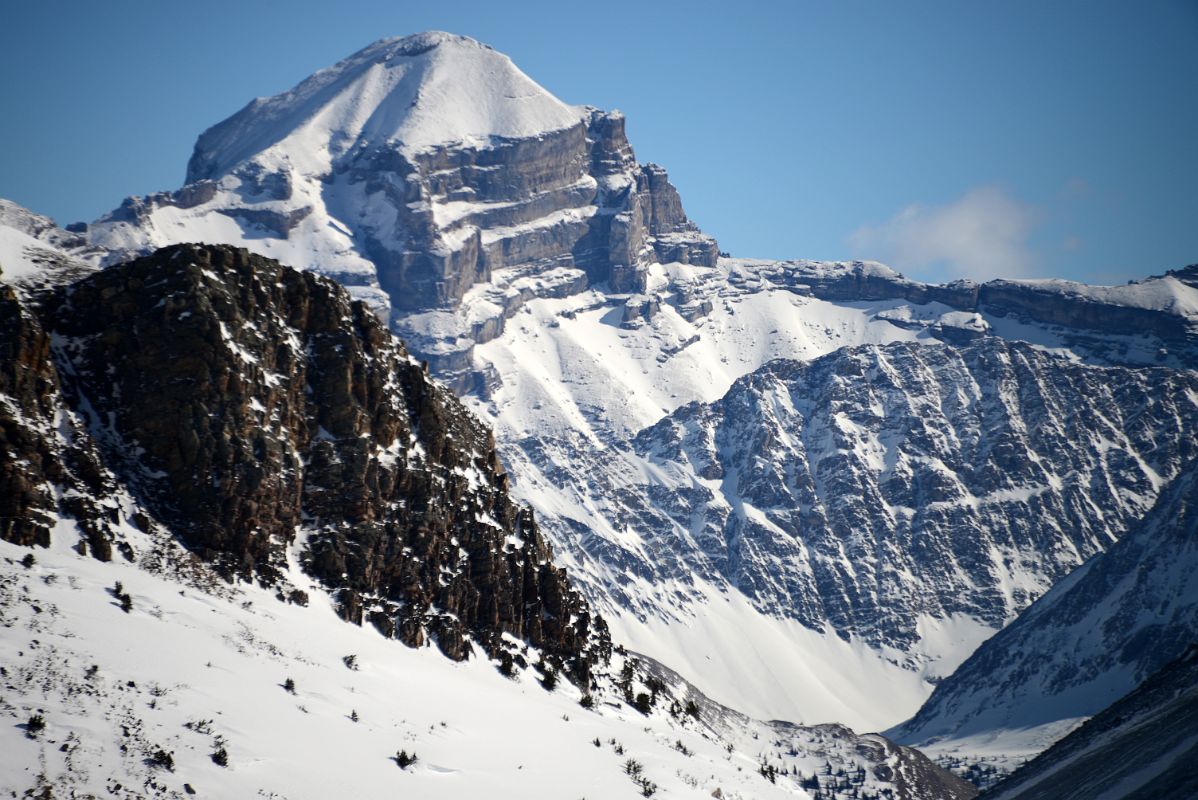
(981, 235)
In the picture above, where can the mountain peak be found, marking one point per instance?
(411, 92)
(417, 43)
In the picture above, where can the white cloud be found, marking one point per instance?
(982, 235)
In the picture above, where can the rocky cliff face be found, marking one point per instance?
(28, 388)
(257, 413)
(880, 485)
(49, 465)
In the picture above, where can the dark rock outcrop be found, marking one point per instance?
(28, 384)
(48, 463)
(251, 407)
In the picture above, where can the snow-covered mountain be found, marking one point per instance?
(1093, 638)
(433, 178)
(517, 246)
(212, 466)
(881, 489)
(1142, 747)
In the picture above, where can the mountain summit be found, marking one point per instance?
(412, 92)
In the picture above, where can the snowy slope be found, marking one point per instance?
(1144, 746)
(197, 666)
(1093, 638)
(572, 381)
(34, 252)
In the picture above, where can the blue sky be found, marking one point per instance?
(946, 138)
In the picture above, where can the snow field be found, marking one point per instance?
(186, 672)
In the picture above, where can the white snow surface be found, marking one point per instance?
(197, 665)
(16, 264)
(720, 640)
(415, 92)
(186, 656)
(27, 262)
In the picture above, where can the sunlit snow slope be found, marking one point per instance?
(138, 703)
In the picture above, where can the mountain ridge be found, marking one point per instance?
(1139, 747)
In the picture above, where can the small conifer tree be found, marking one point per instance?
(35, 725)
